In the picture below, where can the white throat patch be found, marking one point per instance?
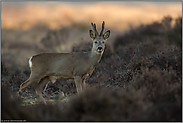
(98, 52)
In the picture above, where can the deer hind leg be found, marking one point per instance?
(27, 83)
(40, 85)
(22, 86)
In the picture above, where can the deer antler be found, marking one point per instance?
(101, 33)
(94, 28)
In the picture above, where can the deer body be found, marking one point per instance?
(63, 65)
(77, 66)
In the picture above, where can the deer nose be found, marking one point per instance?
(99, 48)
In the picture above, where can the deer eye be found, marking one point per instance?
(103, 42)
(95, 42)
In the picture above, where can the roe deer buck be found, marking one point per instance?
(77, 66)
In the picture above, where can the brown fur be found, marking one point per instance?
(77, 66)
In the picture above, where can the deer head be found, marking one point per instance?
(99, 40)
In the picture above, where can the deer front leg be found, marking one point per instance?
(84, 84)
(78, 82)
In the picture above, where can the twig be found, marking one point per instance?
(46, 86)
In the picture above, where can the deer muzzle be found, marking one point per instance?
(100, 48)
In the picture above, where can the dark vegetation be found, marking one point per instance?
(140, 81)
(55, 36)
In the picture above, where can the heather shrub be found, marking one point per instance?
(175, 34)
(22, 45)
(105, 105)
(136, 51)
(158, 33)
(163, 89)
(139, 35)
(11, 79)
(82, 47)
(97, 104)
(109, 104)
(55, 38)
(140, 81)
(159, 85)
(12, 110)
(170, 57)
(10, 107)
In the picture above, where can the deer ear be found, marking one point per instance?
(92, 34)
(106, 35)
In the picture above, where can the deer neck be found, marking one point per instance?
(94, 57)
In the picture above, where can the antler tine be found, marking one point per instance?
(94, 28)
(101, 33)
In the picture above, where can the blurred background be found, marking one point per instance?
(139, 77)
(25, 25)
(56, 15)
